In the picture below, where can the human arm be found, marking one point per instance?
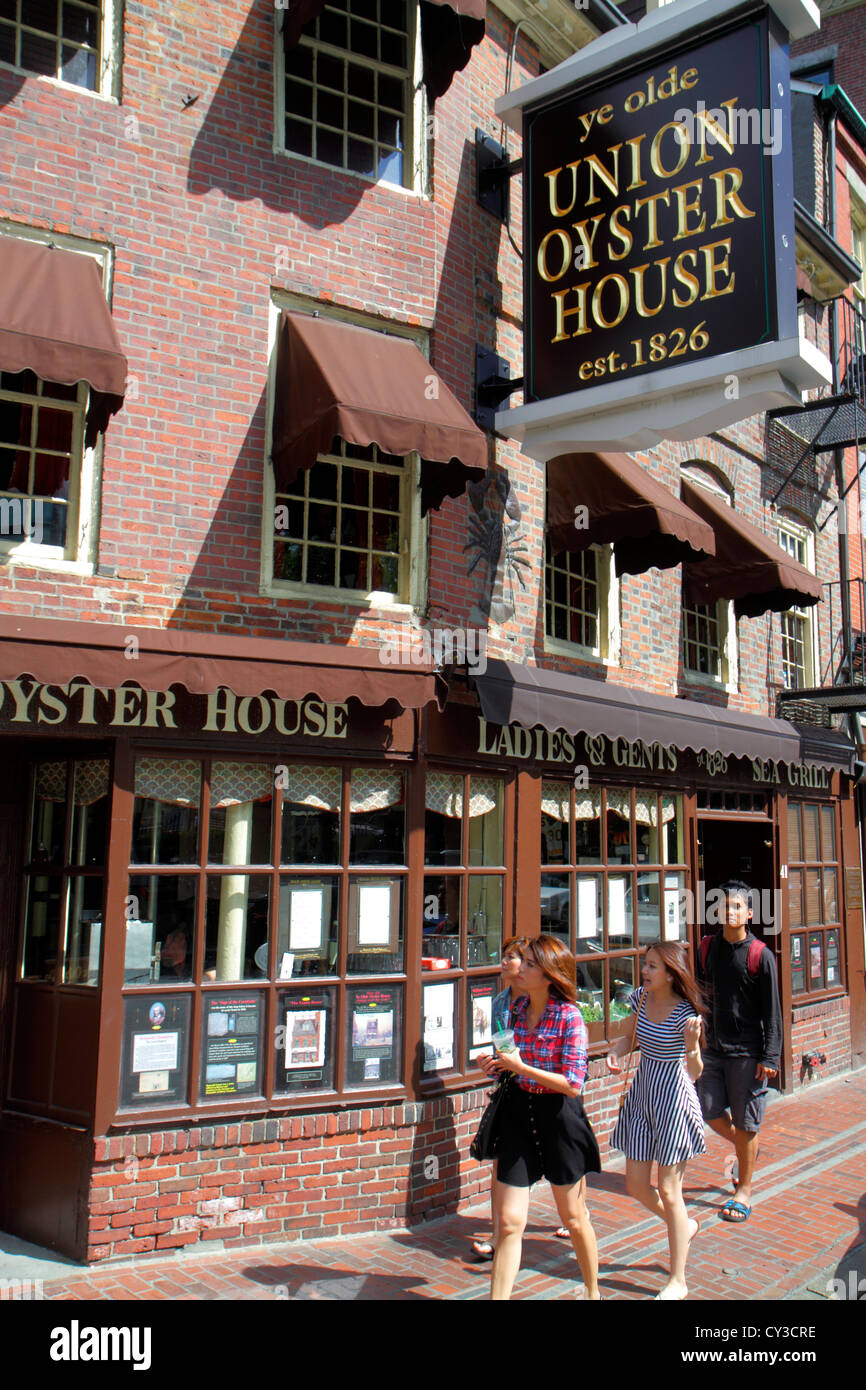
(564, 1043)
(692, 1038)
(626, 1043)
(771, 1017)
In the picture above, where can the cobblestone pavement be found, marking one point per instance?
(807, 1228)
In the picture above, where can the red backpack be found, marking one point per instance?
(753, 960)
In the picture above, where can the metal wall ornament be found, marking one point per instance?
(497, 542)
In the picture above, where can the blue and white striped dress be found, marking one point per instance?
(661, 1118)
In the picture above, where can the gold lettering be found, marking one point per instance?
(706, 122)
(652, 216)
(552, 178)
(610, 180)
(712, 268)
(541, 261)
(685, 206)
(683, 144)
(588, 242)
(731, 196)
(622, 286)
(638, 271)
(690, 281)
(559, 297)
(634, 146)
(623, 233)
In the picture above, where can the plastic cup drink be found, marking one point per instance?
(503, 1041)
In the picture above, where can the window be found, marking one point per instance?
(464, 897)
(814, 898)
(348, 91)
(48, 503)
(69, 40)
(41, 441)
(613, 881)
(581, 600)
(858, 243)
(350, 527)
(305, 938)
(65, 871)
(341, 524)
(797, 625)
(710, 629)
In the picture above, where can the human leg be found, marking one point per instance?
(638, 1181)
(677, 1221)
(571, 1205)
(483, 1249)
(512, 1208)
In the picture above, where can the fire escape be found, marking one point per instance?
(820, 432)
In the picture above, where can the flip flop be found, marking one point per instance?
(697, 1228)
(483, 1250)
(735, 1212)
(562, 1233)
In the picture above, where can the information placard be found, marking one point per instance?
(155, 1049)
(305, 1043)
(373, 1036)
(231, 1045)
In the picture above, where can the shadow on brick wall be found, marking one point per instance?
(233, 150)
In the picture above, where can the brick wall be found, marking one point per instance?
(299, 1177)
(822, 1027)
(847, 31)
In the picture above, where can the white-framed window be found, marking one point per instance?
(581, 602)
(75, 42)
(349, 528)
(709, 630)
(49, 481)
(858, 243)
(349, 94)
(798, 624)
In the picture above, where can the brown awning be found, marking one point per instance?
(338, 381)
(450, 29)
(54, 321)
(650, 528)
(748, 567)
(54, 653)
(511, 693)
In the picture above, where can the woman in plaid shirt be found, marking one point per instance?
(543, 1132)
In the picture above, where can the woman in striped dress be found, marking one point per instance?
(661, 1119)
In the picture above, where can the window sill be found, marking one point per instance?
(386, 184)
(555, 647)
(696, 680)
(59, 82)
(42, 561)
(349, 597)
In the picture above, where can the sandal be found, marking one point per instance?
(562, 1233)
(735, 1212)
(483, 1250)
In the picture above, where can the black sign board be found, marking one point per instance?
(231, 1044)
(305, 1041)
(650, 220)
(153, 1068)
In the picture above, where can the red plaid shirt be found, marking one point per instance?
(558, 1044)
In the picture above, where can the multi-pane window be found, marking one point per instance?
(65, 871)
(343, 523)
(244, 888)
(702, 647)
(796, 623)
(858, 244)
(54, 38)
(814, 898)
(348, 88)
(613, 882)
(572, 607)
(464, 898)
(41, 436)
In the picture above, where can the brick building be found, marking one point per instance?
(257, 871)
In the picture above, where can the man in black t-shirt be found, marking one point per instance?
(744, 1037)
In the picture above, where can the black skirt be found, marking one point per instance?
(544, 1135)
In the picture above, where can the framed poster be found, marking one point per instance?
(834, 977)
(154, 1051)
(479, 1020)
(231, 1045)
(374, 915)
(798, 964)
(305, 1041)
(438, 1026)
(373, 1034)
(816, 960)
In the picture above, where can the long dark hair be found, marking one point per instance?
(557, 964)
(674, 957)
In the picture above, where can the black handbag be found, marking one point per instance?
(483, 1146)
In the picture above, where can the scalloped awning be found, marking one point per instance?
(510, 693)
(55, 322)
(335, 380)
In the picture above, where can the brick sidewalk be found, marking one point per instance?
(809, 1211)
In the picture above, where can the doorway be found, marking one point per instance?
(737, 849)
